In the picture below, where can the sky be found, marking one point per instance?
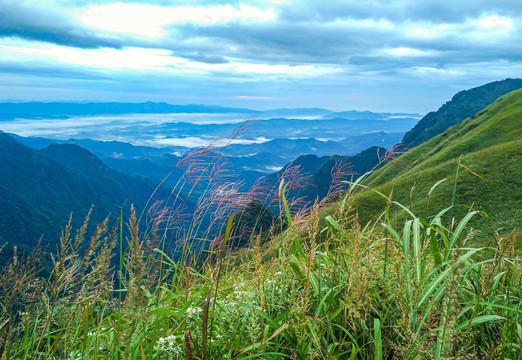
(389, 55)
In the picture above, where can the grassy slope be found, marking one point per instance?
(490, 144)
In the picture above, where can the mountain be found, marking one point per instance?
(11, 110)
(356, 144)
(287, 149)
(463, 105)
(482, 155)
(65, 109)
(333, 169)
(318, 173)
(40, 190)
(102, 149)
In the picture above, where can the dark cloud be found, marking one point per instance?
(317, 32)
(22, 21)
(200, 56)
(436, 12)
(283, 42)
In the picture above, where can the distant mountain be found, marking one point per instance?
(158, 164)
(40, 189)
(287, 149)
(336, 128)
(61, 109)
(10, 110)
(102, 149)
(290, 149)
(347, 167)
(295, 113)
(356, 144)
(488, 143)
(463, 105)
(155, 169)
(247, 168)
(318, 172)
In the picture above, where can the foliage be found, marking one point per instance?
(338, 291)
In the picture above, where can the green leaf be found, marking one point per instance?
(435, 186)
(287, 209)
(435, 250)
(404, 208)
(356, 183)
(479, 320)
(392, 232)
(377, 338)
(460, 227)
(165, 312)
(406, 239)
(315, 283)
(278, 331)
(227, 231)
(417, 248)
(435, 283)
(333, 225)
(474, 173)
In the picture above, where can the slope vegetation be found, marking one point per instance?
(482, 156)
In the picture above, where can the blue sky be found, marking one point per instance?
(408, 56)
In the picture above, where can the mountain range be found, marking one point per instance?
(44, 180)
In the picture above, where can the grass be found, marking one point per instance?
(325, 292)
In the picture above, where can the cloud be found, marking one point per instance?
(297, 33)
(26, 20)
(150, 21)
(293, 51)
(193, 141)
(245, 97)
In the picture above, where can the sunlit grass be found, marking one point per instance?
(334, 291)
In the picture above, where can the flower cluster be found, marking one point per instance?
(170, 345)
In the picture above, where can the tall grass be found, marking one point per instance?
(324, 288)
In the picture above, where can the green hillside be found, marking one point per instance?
(40, 190)
(488, 144)
(463, 105)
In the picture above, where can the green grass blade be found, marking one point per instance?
(435, 186)
(406, 235)
(479, 320)
(416, 227)
(227, 231)
(435, 250)
(377, 338)
(438, 280)
(460, 227)
(287, 209)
